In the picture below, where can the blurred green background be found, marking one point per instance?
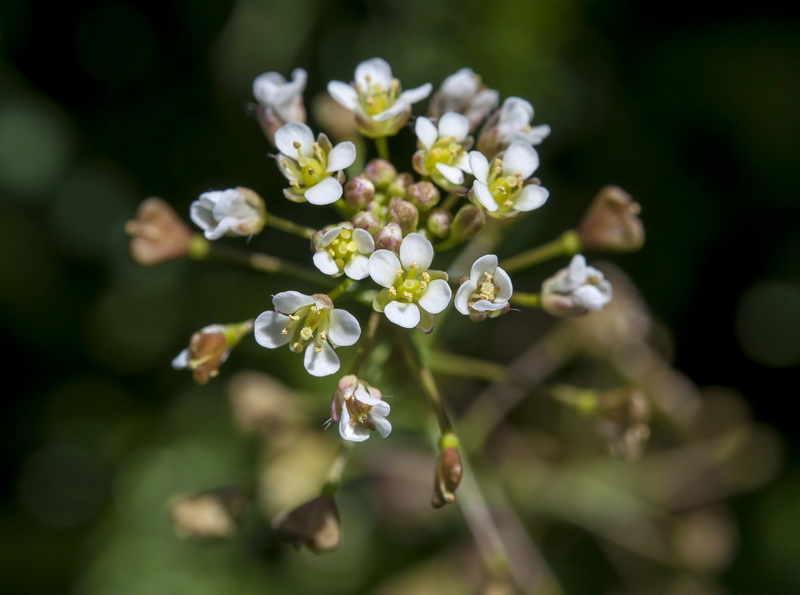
(694, 108)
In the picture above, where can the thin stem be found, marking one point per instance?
(266, 263)
(467, 367)
(564, 245)
(334, 479)
(383, 147)
(366, 344)
(449, 202)
(531, 300)
(340, 289)
(290, 226)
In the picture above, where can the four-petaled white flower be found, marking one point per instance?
(464, 93)
(442, 151)
(344, 250)
(313, 168)
(359, 409)
(283, 98)
(501, 188)
(486, 292)
(512, 122)
(412, 293)
(575, 290)
(236, 211)
(376, 99)
(310, 322)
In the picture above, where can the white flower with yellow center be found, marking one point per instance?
(359, 410)
(237, 211)
(501, 188)
(281, 97)
(344, 250)
(442, 154)
(310, 323)
(412, 293)
(313, 168)
(486, 292)
(464, 93)
(514, 123)
(575, 290)
(376, 99)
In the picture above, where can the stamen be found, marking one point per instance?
(426, 277)
(413, 266)
(392, 291)
(408, 295)
(296, 144)
(294, 317)
(398, 273)
(306, 333)
(285, 330)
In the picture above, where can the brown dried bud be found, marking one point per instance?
(380, 172)
(313, 525)
(449, 471)
(404, 214)
(612, 222)
(468, 221)
(440, 222)
(358, 192)
(158, 234)
(213, 514)
(425, 195)
(389, 237)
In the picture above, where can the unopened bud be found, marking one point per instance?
(358, 192)
(449, 471)
(313, 525)
(424, 194)
(214, 514)
(157, 234)
(399, 187)
(468, 221)
(380, 172)
(404, 214)
(366, 220)
(389, 237)
(209, 348)
(612, 223)
(439, 222)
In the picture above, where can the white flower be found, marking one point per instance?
(237, 211)
(359, 410)
(310, 322)
(284, 98)
(412, 294)
(442, 154)
(463, 92)
(501, 189)
(509, 124)
(375, 98)
(344, 250)
(486, 292)
(575, 290)
(310, 165)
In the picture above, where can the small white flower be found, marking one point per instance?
(376, 99)
(575, 290)
(345, 250)
(512, 122)
(486, 292)
(310, 323)
(463, 92)
(284, 98)
(237, 211)
(442, 154)
(501, 188)
(412, 293)
(360, 410)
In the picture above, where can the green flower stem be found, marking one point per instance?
(289, 226)
(382, 146)
(266, 263)
(566, 244)
(340, 289)
(366, 344)
(334, 479)
(531, 300)
(449, 202)
(467, 367)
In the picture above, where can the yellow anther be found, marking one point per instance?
(508, 204)
(306, 333)
(311, 171)
(502, 190)
(296, 144)
(426, 277)
(294, 184)
(323, 335)
(398, 273)
(285, 331)
(413, 266)
(314, 309)
(408, 295)
(294, 317)
(351, 246)
(332, 252)
(317, 348)
(392, 291)
(423, 286)
(345, 233)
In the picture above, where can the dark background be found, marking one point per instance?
(692, 108)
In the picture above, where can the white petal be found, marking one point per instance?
(426, 132)
(201, 212)
(487, 306)
(484, 196)
(181, 360)
(503, 284)
(520, 158)
(479, 165)
(325, 263)
(326, 191)
(485, 264)
(329, 236)
(414, 95)
(463, 163)
(451, 174)
(590, 297)
(402, 314)
(344, 329)
(267, 329)
(341, 156)
(364, 242)
(453, 125)
(516, 111)
(577, 271)
(358, 267)
(537, 134)
(265, 86)
(321, 363)
(382, 426)
(416, 249)
(462, 297)
(351, 432)
(459, 86)
(289, 302)
(375, 71)
(293, 132)
(383, 266)
(344, 94)
(436, 297)
(532, 197)
(379, 407)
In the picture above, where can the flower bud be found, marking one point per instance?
(425, 195)
(404, 214)
(367, 220)
(389, 237)
(209, 348)
(575, 290)
(380, 172)
(313, 525)
(612, 222)
(213, 514)
(439, 222)
(358, 192)
(157, 234)
(448, 476)
(468, 221)
(399, 186)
